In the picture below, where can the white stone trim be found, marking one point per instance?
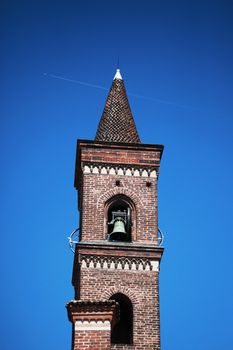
(145, 173)
(103, 171)
(86, 169)
(153, 174)
(112, 171)
(95, 170)
(155, 265)
(119, 170)
(119, 263)
(93, 325)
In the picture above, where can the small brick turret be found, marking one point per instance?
(116, 274)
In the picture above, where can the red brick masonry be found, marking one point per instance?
(105, 171)
(92, 322)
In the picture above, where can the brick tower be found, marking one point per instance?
(116, 263)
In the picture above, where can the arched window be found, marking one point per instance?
(120, 219)
(122, 333)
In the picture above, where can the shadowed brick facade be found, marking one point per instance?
(108, 274)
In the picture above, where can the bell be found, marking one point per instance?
(118, 233)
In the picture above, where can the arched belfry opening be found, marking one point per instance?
(122, 333)
(120, 219)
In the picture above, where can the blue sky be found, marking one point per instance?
(178, 55)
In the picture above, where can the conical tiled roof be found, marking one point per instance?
(117, 123)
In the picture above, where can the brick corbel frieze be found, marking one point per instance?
(93, 311)
(146, 163)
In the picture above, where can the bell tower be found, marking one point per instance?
(117, 258)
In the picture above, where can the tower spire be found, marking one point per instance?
(117, 122)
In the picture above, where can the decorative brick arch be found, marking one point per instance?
(123, 290)
(119, 190)
(106, 196)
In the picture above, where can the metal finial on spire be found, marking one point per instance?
(118, 75)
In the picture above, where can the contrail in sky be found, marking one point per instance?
(75, 81)
(130, 94)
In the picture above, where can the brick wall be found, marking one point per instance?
(95, 188)
(141, 288)
(103, 271)
(92, 340)
(92, 322)
(124, 156)
(98, 189)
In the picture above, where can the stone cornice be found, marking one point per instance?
(93, 311)
(121, 145)
(120, 249)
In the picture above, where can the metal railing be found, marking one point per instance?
(74, 237)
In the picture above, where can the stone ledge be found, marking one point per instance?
(126, 246)
(93, 311)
